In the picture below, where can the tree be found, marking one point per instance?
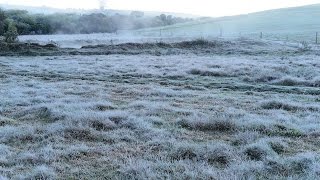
(12, 33)
(97, 23)
(163, 17)
(169, 20)
(3, 18)
(137, 14)
(42, 25)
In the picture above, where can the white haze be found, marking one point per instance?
(197, 7)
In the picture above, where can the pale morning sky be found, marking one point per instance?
(197, 7)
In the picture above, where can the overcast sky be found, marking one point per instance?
(198, 7)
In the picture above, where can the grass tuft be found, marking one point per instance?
(185, 151)
(207, 73)
(279, 105)
(80, 134)
(220, 155)
(257, 152)
(214, 123)
(278, 146)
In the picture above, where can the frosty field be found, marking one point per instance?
(196, 110)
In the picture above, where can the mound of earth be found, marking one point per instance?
(27, 49)
(218, 47)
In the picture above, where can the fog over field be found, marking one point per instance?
(167, 102)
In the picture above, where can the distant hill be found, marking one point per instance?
(297, 23)
(49, 10)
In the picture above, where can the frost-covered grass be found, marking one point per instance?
(160, 117)
(79, 40)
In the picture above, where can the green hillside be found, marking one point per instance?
(299, 23)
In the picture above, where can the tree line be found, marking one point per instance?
(24, 23)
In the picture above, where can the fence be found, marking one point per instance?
(286, 36)
(310, 37)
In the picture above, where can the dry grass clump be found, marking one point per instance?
(42, 172)
(197, 43)
(289, 81)
(29, 158)
(159, 169)
(3, 75)
(219, 155)
(263, 78)
(217, 123)
(285, 131)
(316, 81)
(102, 125)
(301, 163)
(271, 128)
(103, 107)
(278, 146)
(216, 73)
(247, 137)
(280, 105)
(276, 167)
(81, 134)
(43, 114)
(192, 165)
(4, 121)
(299, 166)
(77, 151)
(265, 148)
(100, 121)
(20, 135)
(258, 151)
(292, 81)
(185, 152)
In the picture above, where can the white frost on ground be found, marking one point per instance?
(79, 40)
(160, 117)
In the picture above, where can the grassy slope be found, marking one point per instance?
(290, 21)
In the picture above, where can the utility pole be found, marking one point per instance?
(316, 37)
(261, 35)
